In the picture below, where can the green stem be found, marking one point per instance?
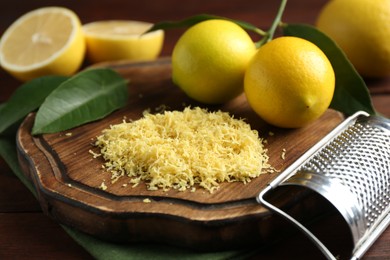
(260, 32)
(277, 21)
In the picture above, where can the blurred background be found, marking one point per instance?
(259, 13)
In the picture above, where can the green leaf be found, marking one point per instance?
(351, 93)
(200, 18)
(87, 96)
(27, 98)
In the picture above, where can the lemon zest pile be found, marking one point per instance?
(179, 149)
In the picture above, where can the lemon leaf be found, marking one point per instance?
(87, 96)
(27, 98)
(200, 18)
(351, 93)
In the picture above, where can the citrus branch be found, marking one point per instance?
(270, 33)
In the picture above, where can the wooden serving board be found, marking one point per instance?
(67, 178)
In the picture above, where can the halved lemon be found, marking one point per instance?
(45, 41)
(122, 40)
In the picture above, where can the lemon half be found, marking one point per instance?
(45, 41)
(122, 40)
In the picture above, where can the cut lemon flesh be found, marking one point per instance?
(42, 42)
(122, 40)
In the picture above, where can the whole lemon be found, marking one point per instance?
(209, 61)
(289, 82)
(362, 29)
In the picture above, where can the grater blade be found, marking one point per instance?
(353, 163)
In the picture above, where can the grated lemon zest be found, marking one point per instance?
(181, 149)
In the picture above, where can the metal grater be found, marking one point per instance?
(353, 163)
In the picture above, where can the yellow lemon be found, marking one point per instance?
(362, 29)
(45, 41)
(209, 61)
(122, 40)
(289, 82)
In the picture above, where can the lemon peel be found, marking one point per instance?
(209, 61)
(362, 30)
(289, 82)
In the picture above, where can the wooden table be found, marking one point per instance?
(25, 232)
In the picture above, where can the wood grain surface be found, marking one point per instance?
(67, 177)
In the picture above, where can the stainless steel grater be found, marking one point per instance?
(350, 167)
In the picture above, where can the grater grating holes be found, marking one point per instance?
(356, 157)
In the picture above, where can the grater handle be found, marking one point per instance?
(302, 228)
